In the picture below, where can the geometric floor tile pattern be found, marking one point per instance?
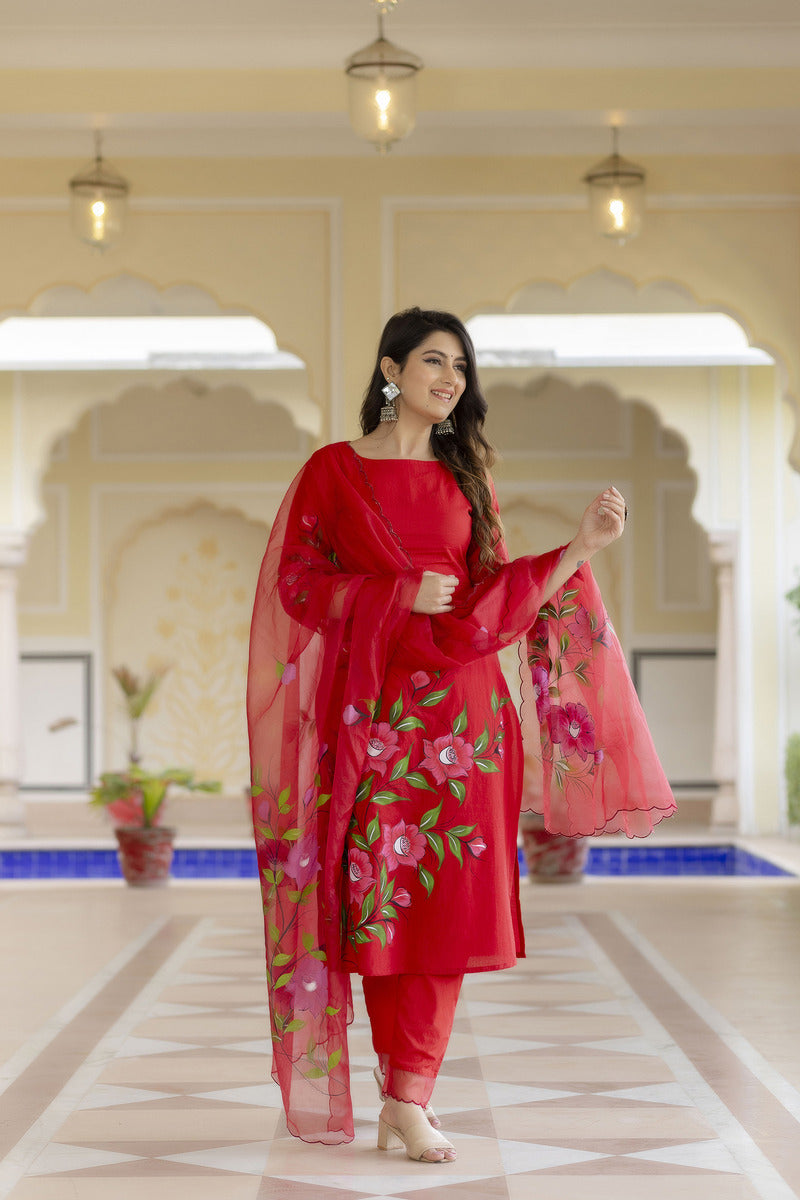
(582, 1072)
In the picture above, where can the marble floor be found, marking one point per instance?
(647, 1047)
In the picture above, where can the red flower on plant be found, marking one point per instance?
(420, 679)
(309, 986)
(581, 629)
(541, 692)
(382, 746)
(448, 757)
(573, 728)
(402, 845)
(401, 897)
(302, 863)
(129, 811)
(359, 872)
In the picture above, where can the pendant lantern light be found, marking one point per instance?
(98, 201)
(616, 195)
(382, 88)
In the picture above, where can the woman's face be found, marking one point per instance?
(433, 378)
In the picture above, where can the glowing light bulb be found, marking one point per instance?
(98, 211)
(616, 208)
(383, 98)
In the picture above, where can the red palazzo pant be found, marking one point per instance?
(411, 1018)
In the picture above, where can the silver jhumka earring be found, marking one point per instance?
(444, 427)
(389, 410)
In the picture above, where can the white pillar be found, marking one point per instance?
(12, 556)
(725, 759)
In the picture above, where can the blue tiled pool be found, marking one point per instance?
(239, 862)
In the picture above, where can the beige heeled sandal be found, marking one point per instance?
(419, 1138)
(429, 1113)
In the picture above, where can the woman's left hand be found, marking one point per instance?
(603, 521)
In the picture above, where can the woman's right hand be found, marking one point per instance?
(435, 594)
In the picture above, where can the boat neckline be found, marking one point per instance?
(364, 458)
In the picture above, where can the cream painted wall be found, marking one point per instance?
(322, 249)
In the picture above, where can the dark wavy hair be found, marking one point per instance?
(466, 453)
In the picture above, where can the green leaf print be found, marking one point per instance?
(395, 710)
(455, 846)
(373, 831)
(419, 781)
(434, 697)
(483, 741)
(400, 768)
(384, 797)
(409, 723)
(460, 723)
(430, 818)
(495, 705)
(359, 840)
(437, 845)
(426, 879)
(457, 788)
(487, 765)
(363, 787)
(333, 1059)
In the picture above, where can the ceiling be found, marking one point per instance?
(264, 77)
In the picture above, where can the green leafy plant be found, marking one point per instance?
(138, 693)
(136, 796)
(793, 778)
(139, 793)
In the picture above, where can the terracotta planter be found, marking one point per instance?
(145, 855)
(552, 857)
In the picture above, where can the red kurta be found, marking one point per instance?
(386, 761)
(432, 882)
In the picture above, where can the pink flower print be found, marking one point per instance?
(420, 680)
(359, 872)
(476, 846)
(598, 757)
(573, 728)
(309, 986)
(302, 863)
(382, 746)
(289, 674)
(273, 854)
(581, 629)
(308, 521)
(448, 757)
(401, 897)
(402, 845)
(351, 715)
(541, 691)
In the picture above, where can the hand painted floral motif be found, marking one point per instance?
(448, 757)
(302, 862)
(560, 649)
(382, 852)
(309, 986)
(296, 962)
(382, 746)
(581, 630)
(402, 845)
(360, 877)
(573, 728)
(541, 691)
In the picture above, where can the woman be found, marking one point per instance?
(387, 756)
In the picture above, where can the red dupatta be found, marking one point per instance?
(332, 605)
